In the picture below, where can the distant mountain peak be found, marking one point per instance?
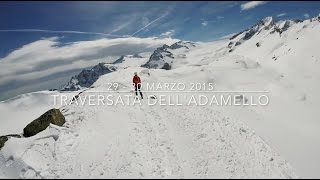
(268, 25)
(87, 77)
(120, 60)
(267, 21)
(162, 56)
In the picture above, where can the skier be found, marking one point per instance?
(137, 84)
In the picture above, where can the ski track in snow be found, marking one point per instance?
(151, 142)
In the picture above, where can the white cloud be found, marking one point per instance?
(204, 23)
(306, 15)
(220, 17)
(251, 5)
(121, 26)
(43, 60)
(168, 34)
(282, 14)
(228, 36)
(65, 32)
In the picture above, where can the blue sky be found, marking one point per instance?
(43, 44)
(195, 21)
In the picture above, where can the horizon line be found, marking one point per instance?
(242, 91)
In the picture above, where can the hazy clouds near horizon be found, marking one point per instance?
(44, 64)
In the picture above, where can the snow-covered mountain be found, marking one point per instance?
(88, 76)
(120, 60)
(281, 140)
(163, 57)
(265, 26)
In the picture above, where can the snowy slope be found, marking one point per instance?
(19, 111)
(189, 141)
(143, 142)
(291, 121)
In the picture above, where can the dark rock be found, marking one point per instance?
(137, 56)
(181, 44)
(14, 135)
(256, 28)
(297, 21)
(274, 58)
(258, 44)
(166, 66)
(249, 34)
(178, 45)
(4, 139)
(53, 116)
(153, 97)
(237, 43)
(120, 60)
(158, 58)
(234, 36)
(75, 98)
(230, 44)
(285, 27)
(87, 77)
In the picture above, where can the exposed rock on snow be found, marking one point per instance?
(236, 35)
(137, 56)
(258, 44)
(88, 76)
(192, 141)
(157, 59)
(53, 116)
(120, 60)
(181, 44)
(267, 24)
(162, 57)
(5, 138)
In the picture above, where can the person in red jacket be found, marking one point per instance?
(137, 84)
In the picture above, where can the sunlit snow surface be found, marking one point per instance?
(184, 141)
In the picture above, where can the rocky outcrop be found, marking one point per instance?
(4, 139)
(162, 57)
(297, 21)
(258, 44)
(120, 60)
(53, 116)
(158, 58)
(137, 56)
(166, 66)
(268, 25)
(181, 44)
(236, 35)
(88, 76)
